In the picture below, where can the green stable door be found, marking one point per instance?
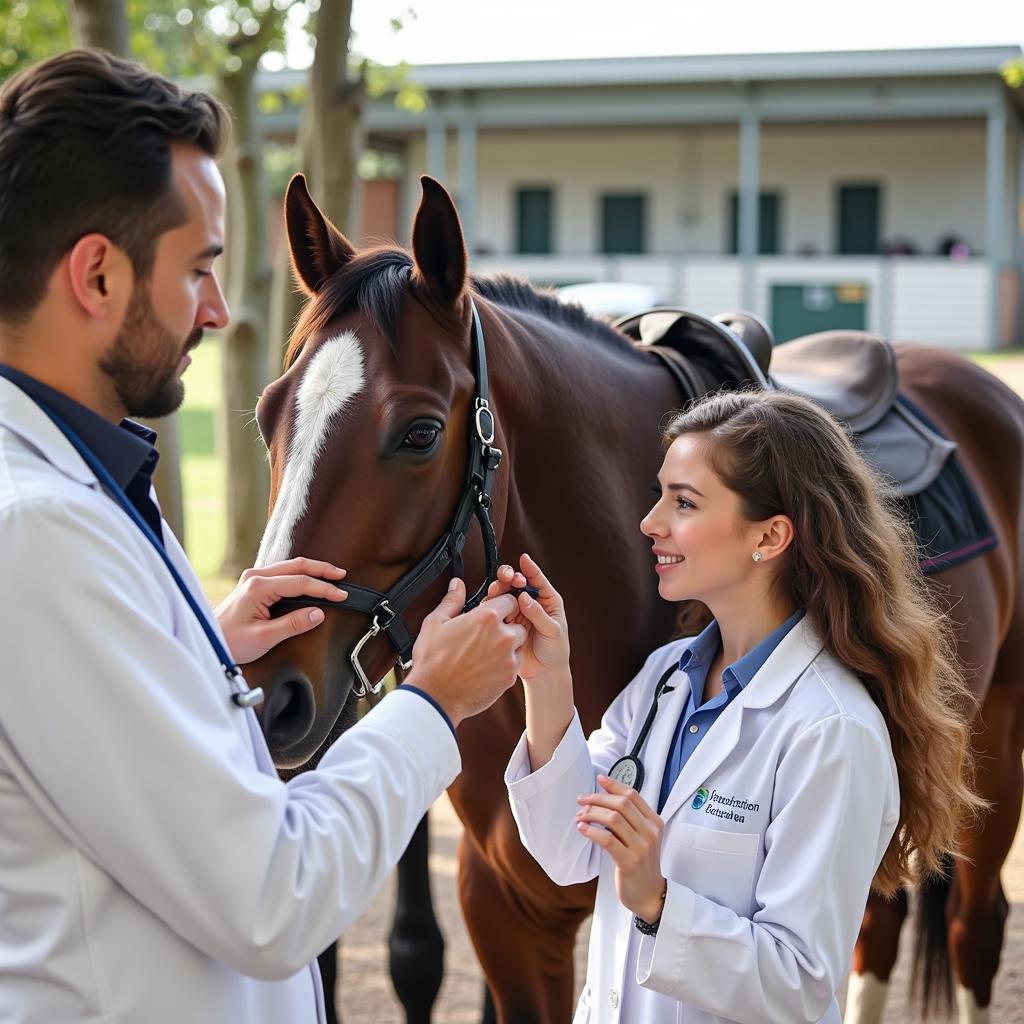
(799, 309)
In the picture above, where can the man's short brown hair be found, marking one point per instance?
(85, 146)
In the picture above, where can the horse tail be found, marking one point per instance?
(931, 986)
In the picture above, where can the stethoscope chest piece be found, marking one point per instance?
(248, 698)
(629, 771)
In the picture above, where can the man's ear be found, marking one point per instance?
(100, 277)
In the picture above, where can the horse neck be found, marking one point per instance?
(581, 417)
(544, 377)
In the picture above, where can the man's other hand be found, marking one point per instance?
(244, 615)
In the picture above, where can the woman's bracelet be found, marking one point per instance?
(651, 927)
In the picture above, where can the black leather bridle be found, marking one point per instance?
(385, 609)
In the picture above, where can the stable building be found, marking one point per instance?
(879, 190)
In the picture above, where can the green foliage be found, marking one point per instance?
(27, 37)
(381, 80)
(1013, 73)
(200, 39)
(180, 39)
(189, 40)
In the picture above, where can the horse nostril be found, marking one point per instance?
(290, 713)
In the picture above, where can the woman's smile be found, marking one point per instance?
(665, 561)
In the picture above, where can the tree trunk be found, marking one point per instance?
(104, 23)
(330, 141)
(167, 478)
(244, 355)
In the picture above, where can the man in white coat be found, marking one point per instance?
(152, 865)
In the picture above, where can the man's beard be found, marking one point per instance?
(142, 363)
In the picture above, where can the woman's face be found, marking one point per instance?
(703, 547)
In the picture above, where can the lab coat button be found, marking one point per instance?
(613, 998)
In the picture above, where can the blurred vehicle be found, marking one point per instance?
(610, 300)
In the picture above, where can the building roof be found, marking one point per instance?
(941, 62)
(846, 84)
(937, 62)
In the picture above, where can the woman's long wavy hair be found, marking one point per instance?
(853, 566)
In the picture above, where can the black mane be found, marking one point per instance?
(375, 282)
(520, 294)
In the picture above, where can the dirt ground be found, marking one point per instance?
(365, 990)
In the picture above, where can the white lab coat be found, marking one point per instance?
(767, 877)
(153, 868)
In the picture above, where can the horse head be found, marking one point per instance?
(367, 436)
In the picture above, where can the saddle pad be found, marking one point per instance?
(947, 516)
(908, 451)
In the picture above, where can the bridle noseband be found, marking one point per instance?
(385, 609)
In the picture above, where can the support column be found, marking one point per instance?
(437, 150)
(995, 212)
(468, 180)
(749, 206)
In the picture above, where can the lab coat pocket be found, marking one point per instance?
(713, 863)
(582, 1014)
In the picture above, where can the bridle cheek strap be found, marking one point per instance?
(385, 609)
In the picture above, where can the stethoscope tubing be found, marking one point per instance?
(241, 696)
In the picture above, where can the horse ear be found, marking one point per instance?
(317, 247)
(438, 245)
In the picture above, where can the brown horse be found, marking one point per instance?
(367, 431)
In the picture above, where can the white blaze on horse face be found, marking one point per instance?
(334, 376)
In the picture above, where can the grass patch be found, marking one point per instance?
(198, 431)
(202, 469)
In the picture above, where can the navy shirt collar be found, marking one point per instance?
(126, 450)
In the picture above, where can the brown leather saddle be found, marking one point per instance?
(850, 373)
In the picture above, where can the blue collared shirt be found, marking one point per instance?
(127, 451)
(697, 718)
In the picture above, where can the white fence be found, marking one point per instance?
(932, 301)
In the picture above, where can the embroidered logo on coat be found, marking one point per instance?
(731, 808)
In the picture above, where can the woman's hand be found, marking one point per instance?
(546, 651)
(545, 659)
(628, 830)
(244, 615)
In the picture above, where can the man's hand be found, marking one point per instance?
(244, 615)
(620, 821)
(466, 662)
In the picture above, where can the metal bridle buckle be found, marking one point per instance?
(482, 408)
(363, 686)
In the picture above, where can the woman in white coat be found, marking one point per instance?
(750, 785)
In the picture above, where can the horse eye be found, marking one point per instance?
(421, 438)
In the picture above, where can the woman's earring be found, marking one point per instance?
(757, 556)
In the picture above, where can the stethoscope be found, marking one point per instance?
(629, 770)
(241, 695)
